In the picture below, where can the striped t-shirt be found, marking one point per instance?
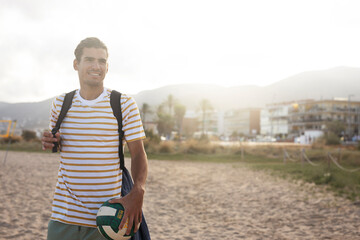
(89, 172)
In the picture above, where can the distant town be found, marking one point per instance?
(302, 121)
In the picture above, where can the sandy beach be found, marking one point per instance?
(187, 200)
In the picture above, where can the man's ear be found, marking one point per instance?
(75, 65)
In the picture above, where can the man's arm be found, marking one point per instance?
(133, 202)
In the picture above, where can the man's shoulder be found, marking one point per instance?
(125, 99)
(60, 98)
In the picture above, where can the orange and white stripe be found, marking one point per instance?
(89, 172)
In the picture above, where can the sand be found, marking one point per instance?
(187, 200)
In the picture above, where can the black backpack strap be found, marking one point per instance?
(115, 98)
(64, 109)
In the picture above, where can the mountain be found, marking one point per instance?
(325, 84)
(190, 95)
(322, 84)
(28, 115)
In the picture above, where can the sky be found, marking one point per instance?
(164, 42)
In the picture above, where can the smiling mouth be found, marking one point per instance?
(94, 74)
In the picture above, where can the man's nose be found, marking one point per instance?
(95, 65)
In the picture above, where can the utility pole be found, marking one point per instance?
(349, 116)
(358, 122)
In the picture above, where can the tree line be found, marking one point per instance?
(169, 118)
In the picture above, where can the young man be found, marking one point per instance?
(89, 172)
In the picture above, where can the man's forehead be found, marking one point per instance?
(94, 53)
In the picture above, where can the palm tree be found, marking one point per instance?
(179, 111)
(145, 109)
(165, 122)
(170, 103)
(205, 106)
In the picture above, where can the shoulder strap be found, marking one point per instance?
(115, 98)
(64, 109)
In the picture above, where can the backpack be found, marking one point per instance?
(127, 182)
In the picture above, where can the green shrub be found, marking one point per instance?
(166, 147)
(28, 135)
(332, 139)
(152, 136)
(12, 139)
(196, 147)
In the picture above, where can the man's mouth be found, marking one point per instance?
(94, 74)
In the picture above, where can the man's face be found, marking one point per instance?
(92, 67)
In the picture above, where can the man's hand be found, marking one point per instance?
(48, 140)
(132, 204)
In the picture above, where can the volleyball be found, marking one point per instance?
(108, 220)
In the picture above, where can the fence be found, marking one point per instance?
(329, 158)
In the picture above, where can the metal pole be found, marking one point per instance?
(7, 150)
(10, 139)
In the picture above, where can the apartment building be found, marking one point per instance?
(211, 122)
(275, 118)
(296, 118)
(313, 115)
(242, 121)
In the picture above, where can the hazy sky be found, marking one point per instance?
(162, 42)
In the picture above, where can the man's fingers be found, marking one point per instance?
(47, 134)
(115, 200)
(57, 135)
(48, 139)
(47, 145)
(140, 217)
(123, 220)
(130, 225)
(137, 222)
(134, 217)
(48, 142)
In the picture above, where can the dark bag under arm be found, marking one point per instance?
(127, 182)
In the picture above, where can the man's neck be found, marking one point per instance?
(89, 93)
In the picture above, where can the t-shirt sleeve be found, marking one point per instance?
(55, 110)
(132, 124)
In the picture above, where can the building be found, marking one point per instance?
(274, 119)
(314, 115)
(309, 117)
(210, 122)
(242, 121)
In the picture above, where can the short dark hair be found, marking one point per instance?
(90, 42)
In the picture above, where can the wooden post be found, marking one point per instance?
(7, 149)
(242, 152)
(302, 157)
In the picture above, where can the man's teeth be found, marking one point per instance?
(94, 74)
